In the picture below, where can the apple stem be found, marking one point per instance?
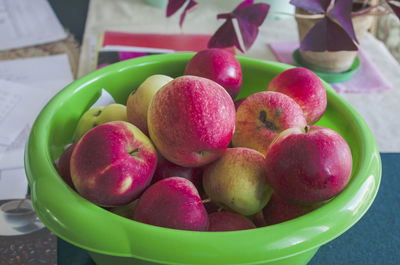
(97, 113)
(306, 129)
(206, 200)
(134, 151)
(220, 209)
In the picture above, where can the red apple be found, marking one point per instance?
(237, 181)
(191, 121)
(308, 164)
(228, 221)
(63, 165)
(113, 163)
(305, 88)
(172, 203)
(279, 210)
(166, 169)
(218, 65)
(262, 116)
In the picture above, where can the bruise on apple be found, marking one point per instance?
(267, 124)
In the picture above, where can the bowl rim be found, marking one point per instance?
(292, 237)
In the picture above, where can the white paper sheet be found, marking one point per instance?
(41, 78)
(12, 156)
(16, 109)
(13, 183)
(104, 99)
(26, 86)
(48, 73)
(28, 22)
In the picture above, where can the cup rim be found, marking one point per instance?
(30, 207)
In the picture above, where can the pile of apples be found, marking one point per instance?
(183, 154)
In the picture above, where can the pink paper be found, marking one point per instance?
(366, 79)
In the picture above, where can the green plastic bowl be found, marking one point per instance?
(111, 239)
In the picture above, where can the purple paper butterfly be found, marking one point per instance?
(249, 17)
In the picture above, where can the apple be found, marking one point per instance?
(308, 164)
(97, 116)
(173, 203)
(228, 221)
(125, 210)
(305, 88)
(218, 65)
(279, 210)
(258, 218)
(210, 206)
(191, 121)
(63, 165)
(262, 116)
(139, 100)
(237, 181)
(113, 163)
(167, 169)
(238, 102)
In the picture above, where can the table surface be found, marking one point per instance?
(375, 238)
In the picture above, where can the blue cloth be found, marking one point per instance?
(375, 239)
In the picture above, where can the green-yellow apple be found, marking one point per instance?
(139, 100)
(99, 115)
(305, 87)
(237, 181)
(113, 163)
(191, 120)
(173, 203)
(262, 116)
(308, 164)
